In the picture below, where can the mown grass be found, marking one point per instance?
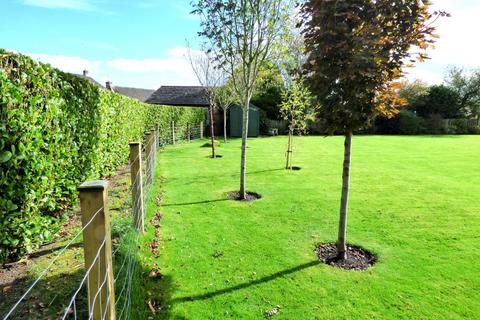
(414, 202)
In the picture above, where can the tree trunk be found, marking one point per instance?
(212, 129)
(289, 151)
(225, 125)
(243, 164)
(342, 227)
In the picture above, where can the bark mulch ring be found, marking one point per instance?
(251, 196)
(357, 258)
(295, 168)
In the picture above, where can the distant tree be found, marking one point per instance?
(209, 76)
(297, 110)
(356, 51)
(467, 86)
(411, 91)
(440, 100)
(240, 35)
(268, 90)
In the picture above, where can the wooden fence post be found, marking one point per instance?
(173, 132)
(157, 131)
(188, 133)
(137, 185)
(201, 130)
(98, 249)
(150, 154)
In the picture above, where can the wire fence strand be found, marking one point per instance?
(125, 251)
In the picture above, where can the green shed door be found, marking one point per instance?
(236, 121)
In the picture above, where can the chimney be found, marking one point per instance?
(109, 85)
(85, 73)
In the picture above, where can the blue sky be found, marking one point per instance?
(142, 43)
(128, 42)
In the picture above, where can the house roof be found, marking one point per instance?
(136, 93)
(188, 96)
(86, 77)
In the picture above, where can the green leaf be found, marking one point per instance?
(5, 156)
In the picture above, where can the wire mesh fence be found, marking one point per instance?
(104, 289)
(180, 134)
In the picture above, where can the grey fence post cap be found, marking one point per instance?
(93, 185)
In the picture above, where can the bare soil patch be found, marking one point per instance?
(251, 196)
(357, 258)
(294, 168)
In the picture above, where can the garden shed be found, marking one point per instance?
(236, 121)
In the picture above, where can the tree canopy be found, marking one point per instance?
(438, 100)
(268, 91)
(357, 50)
(467, 87)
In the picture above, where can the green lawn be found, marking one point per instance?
(414, 202)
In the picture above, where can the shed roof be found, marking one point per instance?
(189, 96)
(136, 93)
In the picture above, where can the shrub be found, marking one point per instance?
(410, 123)
(57, 130)
(435, 124)
(209, 144)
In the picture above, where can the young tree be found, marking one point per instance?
(297, 110)
(209, 76)
(240, 34)
(356, 50)
(226, 97)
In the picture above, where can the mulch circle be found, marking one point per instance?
(251, 196)
(357, 258)
(295, 168)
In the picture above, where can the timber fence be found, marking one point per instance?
(108, 273)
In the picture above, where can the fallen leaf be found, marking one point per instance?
(272, 312)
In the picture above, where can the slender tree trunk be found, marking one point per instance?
(342, 226)
(212, 129)
(243, 164)
(289, 151)
(225, 125)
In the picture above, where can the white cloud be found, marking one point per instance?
(457, 44)
(150, 73)
(83, 5)
(68, 63)
(420, 73)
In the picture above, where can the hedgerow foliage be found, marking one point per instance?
(56, 131)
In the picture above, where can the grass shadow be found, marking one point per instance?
(280, 274)
(192, 203)
(48, 299)
(49, 250)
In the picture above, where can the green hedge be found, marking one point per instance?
(57, 130)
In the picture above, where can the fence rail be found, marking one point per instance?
(102, 276)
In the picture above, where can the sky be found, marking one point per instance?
(142, 43)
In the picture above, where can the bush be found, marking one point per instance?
(410, 123)
(57, 130)
(209, 144)
(435, 124)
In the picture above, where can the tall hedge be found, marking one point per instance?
(57, 130)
